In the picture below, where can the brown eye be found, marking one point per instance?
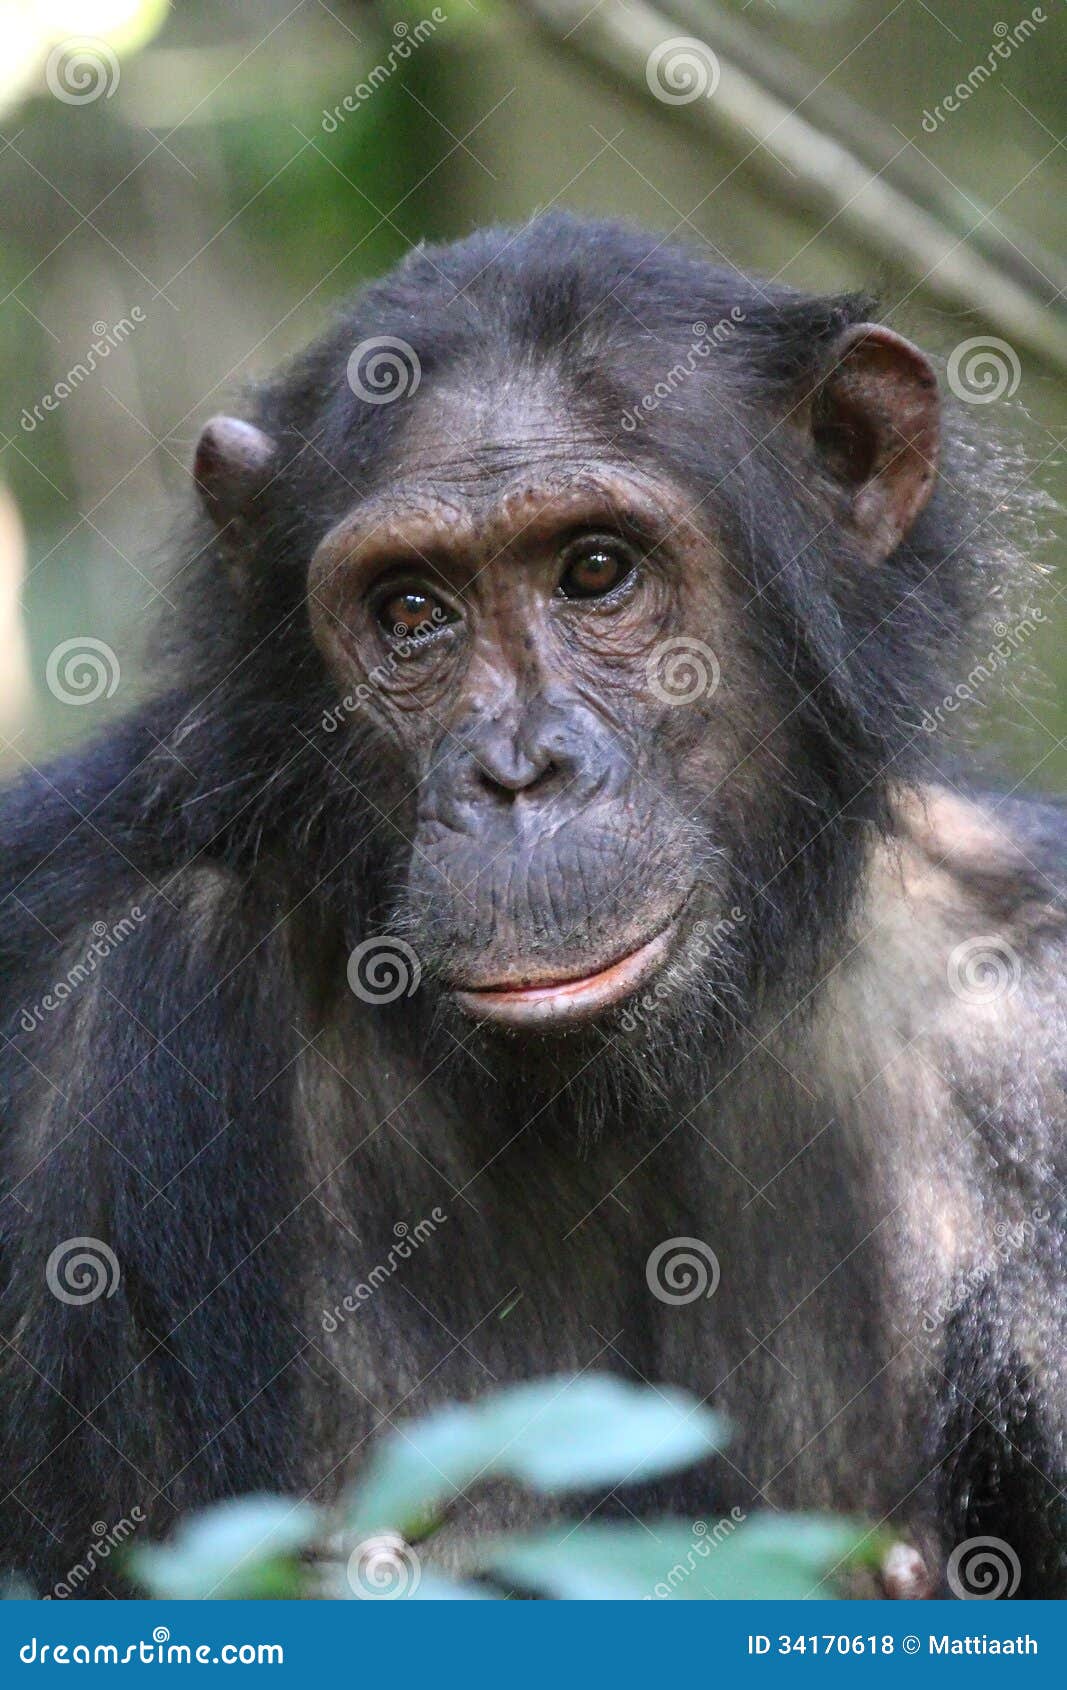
(410, 613)
(594, 567)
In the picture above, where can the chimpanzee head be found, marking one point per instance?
(616, 583)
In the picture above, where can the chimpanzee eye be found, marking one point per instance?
(411, 613)
(593, 566)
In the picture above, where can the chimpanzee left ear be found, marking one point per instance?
(875, 425)
(234, 461)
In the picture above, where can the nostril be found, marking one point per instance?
(524, 776)
(545, 777)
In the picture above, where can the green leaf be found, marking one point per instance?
(243, 1548)
(780, 1556)
(562, 1434)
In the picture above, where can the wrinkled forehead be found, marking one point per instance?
(480, 465)
(470, 433)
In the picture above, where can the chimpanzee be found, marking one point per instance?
(534, 927)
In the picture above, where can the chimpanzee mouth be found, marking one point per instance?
(548, 1006)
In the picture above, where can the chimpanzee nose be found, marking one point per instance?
(507, 762)
(501, 768)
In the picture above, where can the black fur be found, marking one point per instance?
(168, 1106)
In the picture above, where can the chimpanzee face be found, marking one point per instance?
(539, 625)
(583, 757)
(542, 623)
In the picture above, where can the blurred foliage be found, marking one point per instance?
(556, 1437)
(32, 28)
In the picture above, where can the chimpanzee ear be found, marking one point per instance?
(233, 463)
(875, 426)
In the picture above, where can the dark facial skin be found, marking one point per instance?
(532, 610)
(557, 852)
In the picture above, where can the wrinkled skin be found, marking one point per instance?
(576, 776)
(560, 815)
(526, 730)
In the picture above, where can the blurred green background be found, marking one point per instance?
(178, 167)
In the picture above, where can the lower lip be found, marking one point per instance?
(569, 1001)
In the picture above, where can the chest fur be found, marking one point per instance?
(671, 1257)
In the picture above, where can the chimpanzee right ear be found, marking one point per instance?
(234, 461)
(875, 424)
